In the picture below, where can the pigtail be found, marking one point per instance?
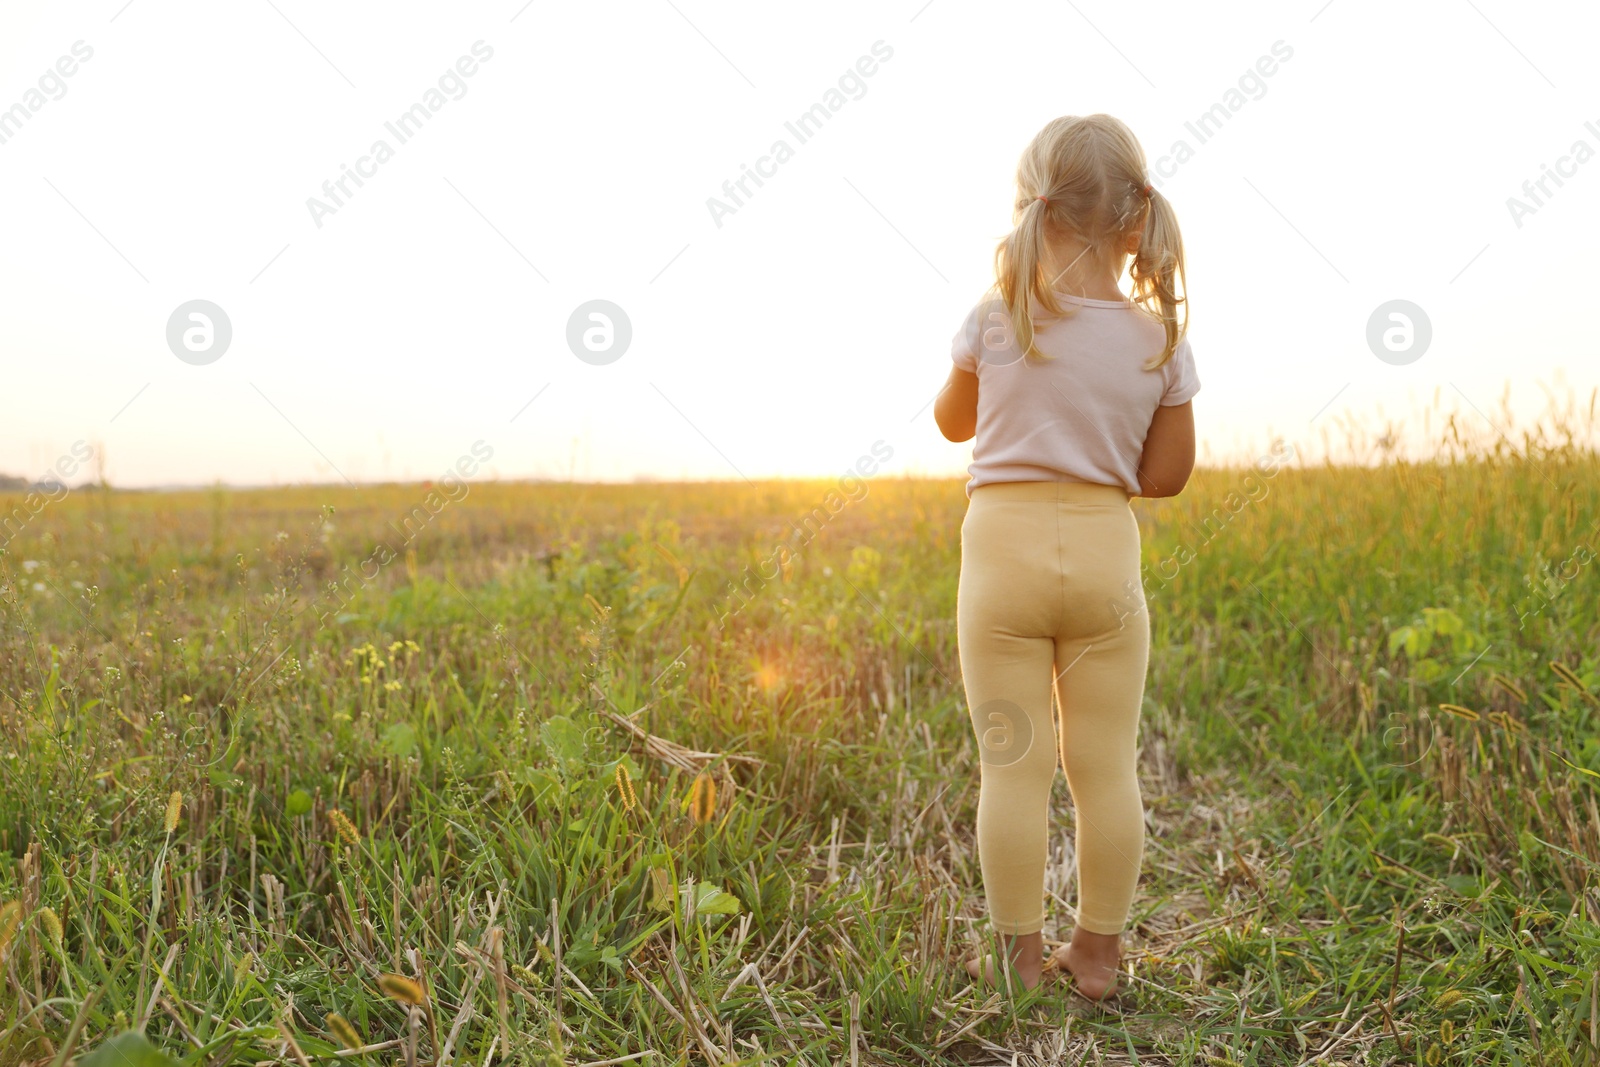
(1016, 264)
(1157, 273)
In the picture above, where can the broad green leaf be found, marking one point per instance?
(711, 899)
(127, 1049)
(298, 803)
(660, 889)
(1443, 620)
(563, 738)
(608, 771)
(400, 739)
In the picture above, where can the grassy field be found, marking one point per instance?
(522, 747)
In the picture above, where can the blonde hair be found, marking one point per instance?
(1085, 176)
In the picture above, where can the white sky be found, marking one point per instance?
(816, 319)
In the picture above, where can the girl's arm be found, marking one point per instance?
(1168, 457)
(956, 407)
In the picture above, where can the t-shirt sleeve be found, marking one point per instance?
(963, 347)
(1182, 381)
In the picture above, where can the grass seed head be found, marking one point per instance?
(703, 798)
(51, 923)
(1509, 687)
(174, 810)
(399, 987)
(1573, 680)
(1505, 721)
(630, 799)
(341, 1028)
(344, 827)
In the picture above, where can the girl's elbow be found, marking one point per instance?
(957, 434)
(1178, 483)
(1164, 483)
(953, 427)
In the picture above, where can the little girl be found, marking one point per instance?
(1079, 400)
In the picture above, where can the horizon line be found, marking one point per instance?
(1293, 463)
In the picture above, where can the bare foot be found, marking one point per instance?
(1092, 959)
(1026, 952)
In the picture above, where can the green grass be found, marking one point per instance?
(1335, 865)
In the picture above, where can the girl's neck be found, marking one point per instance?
(1069, 267)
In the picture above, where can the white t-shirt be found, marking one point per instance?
(1081, 416)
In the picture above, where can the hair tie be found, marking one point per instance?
(1149, 191)
(1046, 200)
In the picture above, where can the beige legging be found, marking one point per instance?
(1050, 591)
